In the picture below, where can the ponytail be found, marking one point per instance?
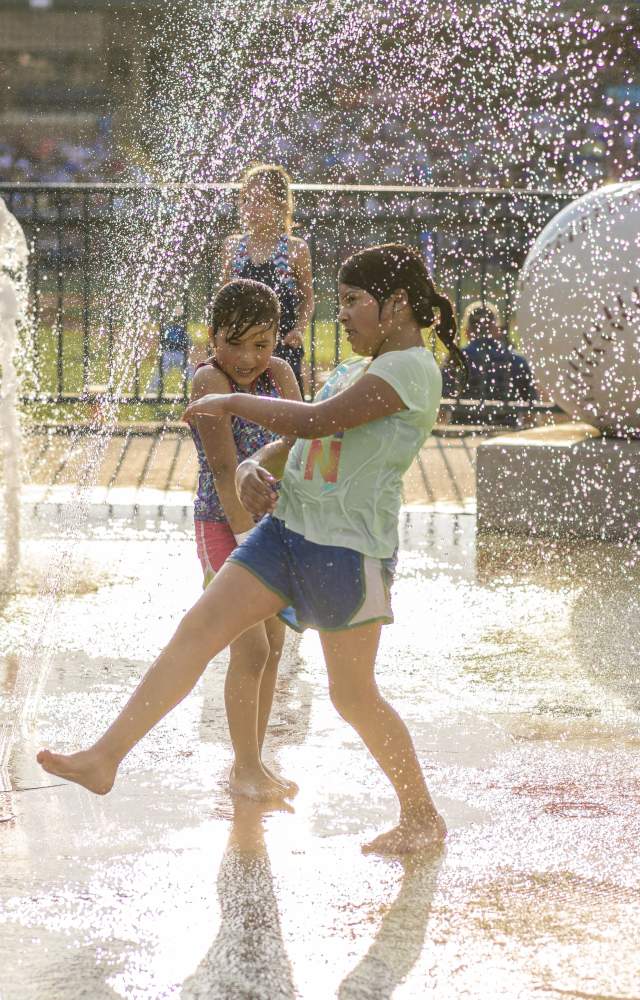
(446, 332)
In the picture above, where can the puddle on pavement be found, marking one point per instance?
(515, 665)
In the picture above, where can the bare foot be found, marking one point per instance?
(409, 837)
(257, 785)
(290, 787)
(86, 768)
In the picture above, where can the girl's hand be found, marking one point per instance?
(256, 488)
(213, 405)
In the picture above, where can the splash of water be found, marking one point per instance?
(404, 91)
(13, 260)
(468, 89)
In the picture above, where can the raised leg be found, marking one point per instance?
(350, 658)
(232, 603)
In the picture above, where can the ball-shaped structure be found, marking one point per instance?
(578, 308)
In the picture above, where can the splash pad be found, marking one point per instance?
(525, 715)
(517, 675)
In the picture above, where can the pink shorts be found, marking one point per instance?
(214, 542)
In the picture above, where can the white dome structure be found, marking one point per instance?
(578, 309)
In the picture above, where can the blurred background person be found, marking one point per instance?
(496, 372)
(174, 350)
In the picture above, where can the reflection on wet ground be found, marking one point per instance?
(516, 667)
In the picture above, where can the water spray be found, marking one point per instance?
(13, 260)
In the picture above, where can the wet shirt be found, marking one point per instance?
(346, 489)
(248, 439)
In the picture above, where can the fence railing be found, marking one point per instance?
(474, 242)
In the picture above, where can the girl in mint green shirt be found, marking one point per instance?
(322, 555)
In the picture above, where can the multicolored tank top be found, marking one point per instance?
(248, 438)
(277, 274)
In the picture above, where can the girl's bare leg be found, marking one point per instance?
(232, 603)
(350, 658)
(274, 629)
(248, 695)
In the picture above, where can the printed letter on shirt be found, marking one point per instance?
(324, 453)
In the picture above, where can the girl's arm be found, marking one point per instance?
(301, 267)
(273, 457)
(256, 476)
(370, 398)
(220, 449)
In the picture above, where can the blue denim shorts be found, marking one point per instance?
(326, 587)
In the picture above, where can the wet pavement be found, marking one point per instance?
(516, 667)
(156, 464)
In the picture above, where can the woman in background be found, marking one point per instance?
(266, 251)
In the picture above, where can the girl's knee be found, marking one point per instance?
(251, 652)
(192, 640)
(352, 701)
(275, 632)
(275, 653)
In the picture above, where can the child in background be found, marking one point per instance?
(326, 547)
(266, 251)
(243, 332)
(174, 350)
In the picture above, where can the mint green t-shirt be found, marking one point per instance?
(346, 489)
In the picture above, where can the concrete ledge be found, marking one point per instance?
(560, 481)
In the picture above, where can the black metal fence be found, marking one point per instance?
(474, 241)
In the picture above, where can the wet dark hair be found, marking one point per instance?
(242, 304)
(385, 269)
(277, 182)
